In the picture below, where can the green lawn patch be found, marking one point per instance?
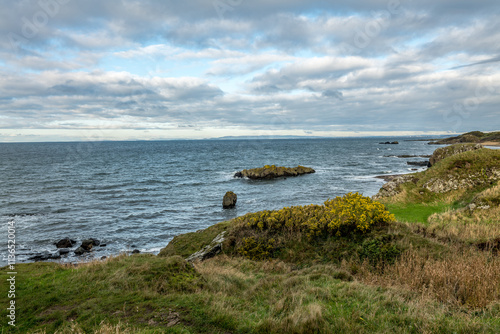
(416, 212)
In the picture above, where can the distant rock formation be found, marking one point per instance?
(271, 172)
(389, 143)
(229, 200)
(489, 138)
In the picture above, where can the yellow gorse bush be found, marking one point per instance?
(349, 213)
(356, 212)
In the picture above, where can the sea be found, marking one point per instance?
(139, 195)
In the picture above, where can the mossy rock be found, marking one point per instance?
(271, 172)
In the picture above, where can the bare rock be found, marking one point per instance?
(392, 187)
(65, 243)
(87, 244)
(214, 248)
(80, 251)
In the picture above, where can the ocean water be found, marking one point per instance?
(141, 194)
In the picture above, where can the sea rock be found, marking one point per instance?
(392, 187)
(408, 156)
(65, 243)
(87, 244)
(229, 200)
(80, 251)
(136, 251)
(45, 256)
(418, 163)
(444, 152)
(271, 172)
(389, 143)
(63, 251)
(214, 248)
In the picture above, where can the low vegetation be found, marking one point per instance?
(423, 260)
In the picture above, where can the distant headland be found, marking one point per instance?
(485, 138)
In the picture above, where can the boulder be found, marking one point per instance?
(63, 251)
(136, 251)
(80, 251)
(214, 248)
(444, 152)
(229, 200)
(65, 243)
(45, 256)
(87, 244)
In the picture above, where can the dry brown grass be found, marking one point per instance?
(469, 278)
(489, 194)
(462, 225)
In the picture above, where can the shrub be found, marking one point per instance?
(379, 251)
(356, 212)
(340, 216)
(257, 249)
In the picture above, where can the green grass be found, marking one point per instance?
(223, 295)
(416, 212)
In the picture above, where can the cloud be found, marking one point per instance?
(289, 65)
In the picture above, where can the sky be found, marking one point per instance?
(164, 69)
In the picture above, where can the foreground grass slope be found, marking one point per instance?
(146, 294)
(343, 267)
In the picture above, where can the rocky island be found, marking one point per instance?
(272, 172)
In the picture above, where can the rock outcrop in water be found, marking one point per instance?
(87, 246)
(65, 243)
(229, 200)
(271, 172)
